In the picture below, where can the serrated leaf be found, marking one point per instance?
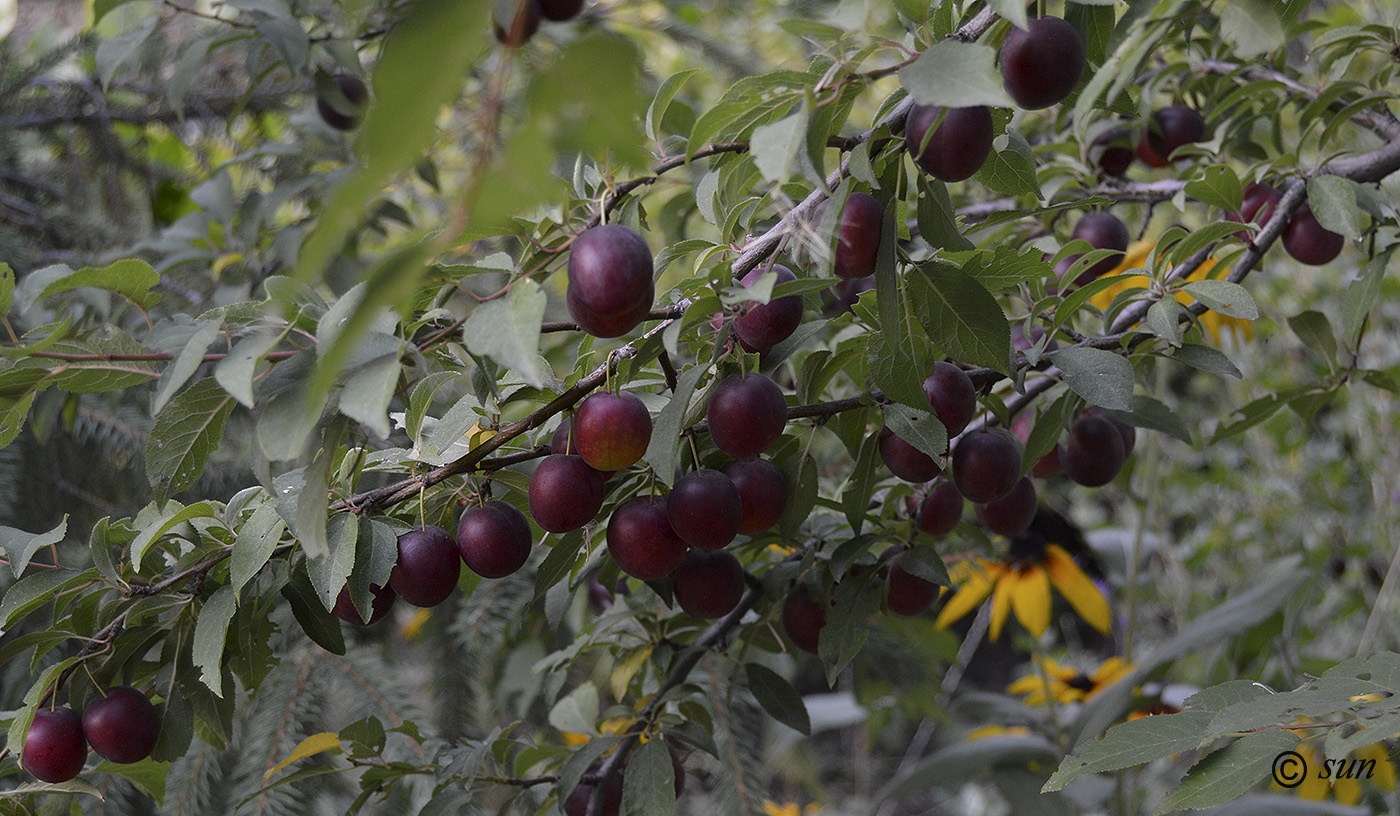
(919, 428)
(955, 74)
(1315, 330)
(649, 786)
(172, 515)
(36, 589)
(778, 146)
(925, 562)
(20, 546)
(253, 547)
(209, 632)
(330, 571)
(185, 434)
(847, 625)
(1101, 377)
(961, 317)
(778, 697)
(1136, 742)
(187, 360)
(368, 392)
(937, 217)
(235, 372)
(1229, 772)
(508, 331)
(1332, 200)
(1229, 299)
(1010, 168)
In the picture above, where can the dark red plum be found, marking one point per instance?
(355, 92)
(803, 619)
(1102, 231)
(560, 10)
(494, 539)
(612, 431)
(1170, 128)
(641, 540)
(746, 414)
(909, 594)
(906, 461)
(428, 566)
(986, 465)
(1041, 65)
(1011, 514)
(1309, 242)
(957, 148)
(763, 493)
(764, 325)
(1113, 152)
(54, 748)
(1094, 453)
(941, 510)
(565, 493)
(952, 396)
(708, 585)
(381, 600)
(858, 236)
(705, 509)
(121, 725)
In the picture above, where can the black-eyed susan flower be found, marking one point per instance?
(771, 808)
(1022, 583)
(1214, 323)
(1065, 684)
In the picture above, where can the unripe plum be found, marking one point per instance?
(355, 92)
(1308, 241)
(765, 325)
(612, 431)
(763, 493)
(641, 540)
(381, 600)
(54, 748)
(1041, 65)
(908, 593)
(1170, 128)
(858, 236)
(494, 539)
(941, 510)
(122, 725)
(1094, 453)
(1011, 514)
(986, 465)
(906, 461)
(565, 493)
(958, 147)
(428, 567)
(746, 414)
(803, 619)
(708, 585)
(952, 396)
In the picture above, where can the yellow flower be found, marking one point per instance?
(1213, 322)
(1341, 778)
(1066, 684)
(1023, 583)
(998, 731)
(771, 808)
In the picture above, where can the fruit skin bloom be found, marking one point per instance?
(1022, 583)
(1214, 323)
(1066, 684)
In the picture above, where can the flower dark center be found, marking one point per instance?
(1081, 682)
(1028, 547)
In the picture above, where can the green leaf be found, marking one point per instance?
(800, 472)
(36, 589)
(235, 372)
(209, 632)
(328, 572)
(131, 278)
(368, 392)
(656, 112)
(577, 713)
(7, 288)
(1136, 742)
(113, 53)
(20, 546)
(649, 786)
(185, 434)
(1218, 186)
(938, 218)
(563, 554)
(1163, 320)
(1226, 774)
(1314, 329)
(187, 360)
(1332, 200)
(1101, 377)
(1013, 11)
(1253, 26)
(961, 317)
(148, 775)
(253, 548)
(508, 331)
(925, 562)
(424, 59)
(1010, 168)
(665, 435)
(955, 74)
(1229, 299)
(861, 483)
(1206, 358)
(919, 428)
(1361, 295)
(778, 146)
(778, 697)
(847, 625)
(319, 624)
(1154, 415)
(171, 515)
(967, 760)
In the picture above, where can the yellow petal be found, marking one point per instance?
(1346, 791)
(1001, 602)
(1086, 599)
(971, 594)
(1030, 597)
(1025, 685)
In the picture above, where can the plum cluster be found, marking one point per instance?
(121, 725)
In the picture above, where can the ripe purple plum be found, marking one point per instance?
(858, 236)
(612, 431)
(121, 725)
(906, 461)
(1258, 204)
(1042, 64)
(957, 148)
(1102, 231)
(986, 465)
(705, 509)
(1011, 514)
(1094, 452)
(428, 567)
(381, 600)
(803, 619)
(565, 493)
(952, 396)
(763, 493)
(746, 414)
(560, 10)
(494, 539)
(1170, 128)
(1113, 151)
(641, 540)
(941, 510)
(1309, 242)
(765, 325)
(54, 748)
(610, 279)
(708, 585)
(908, 594)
